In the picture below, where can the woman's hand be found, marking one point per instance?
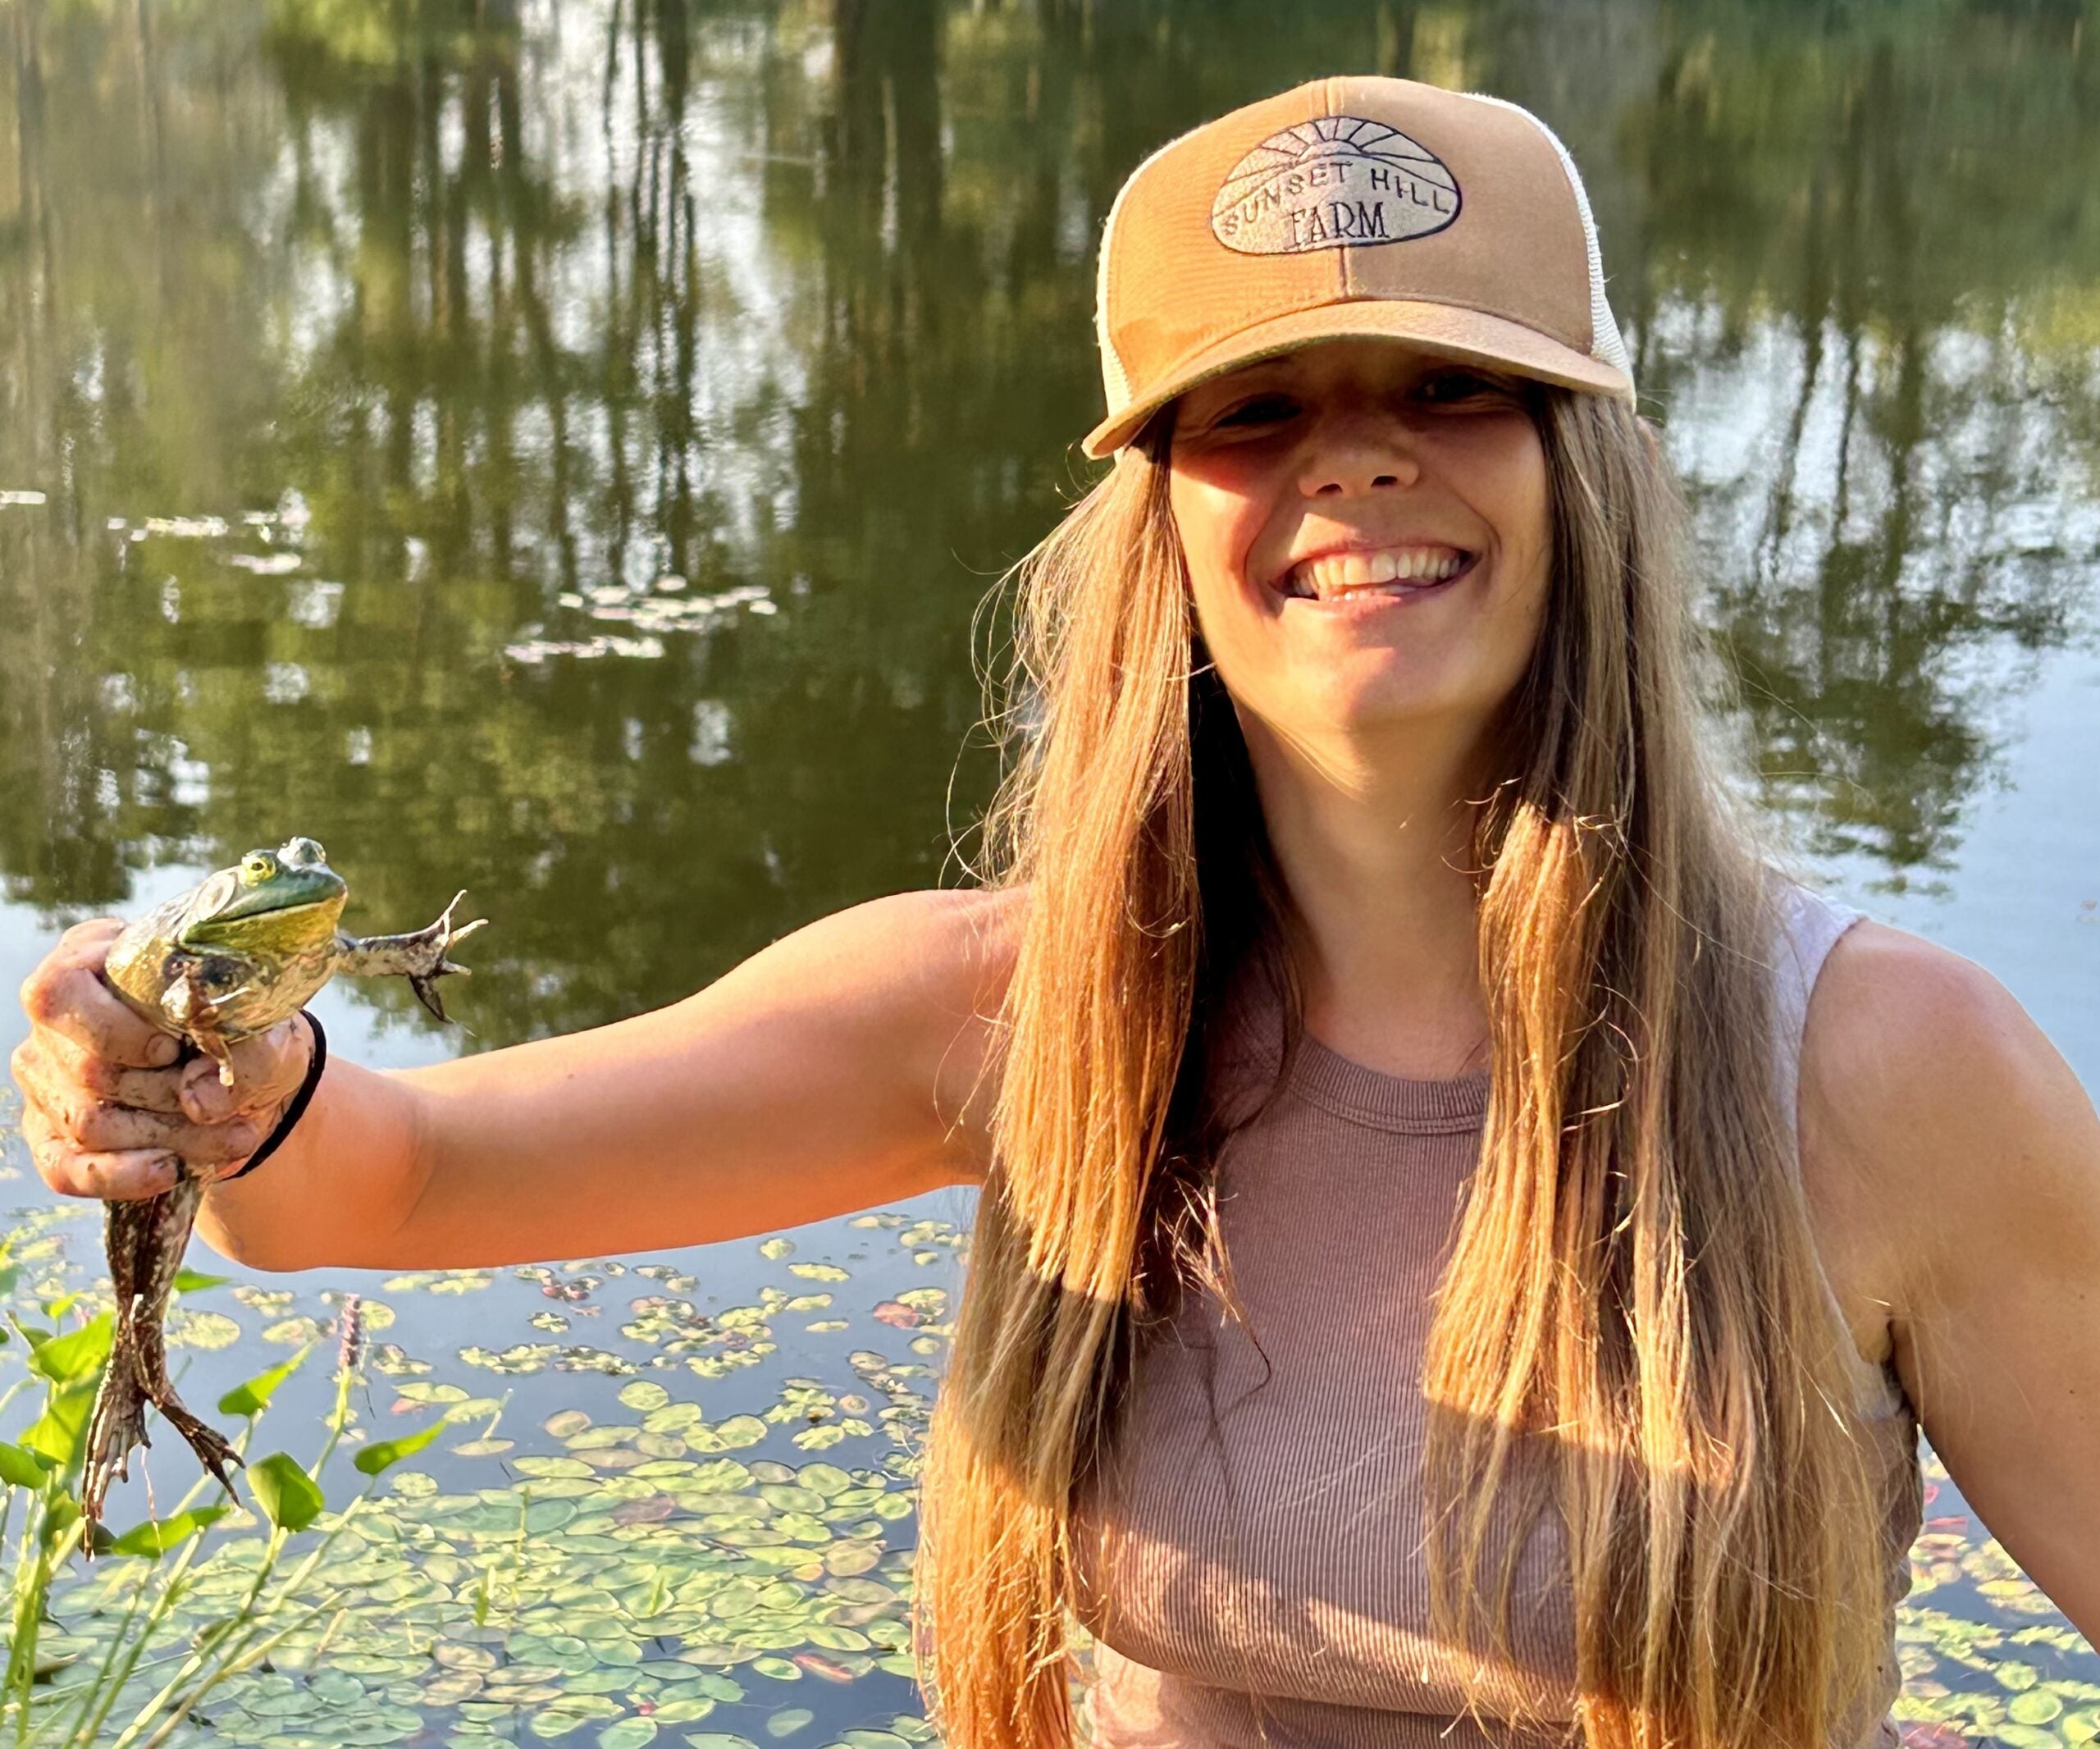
(112, 1106)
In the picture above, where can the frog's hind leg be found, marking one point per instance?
(115, 1429)
(151, 1361)
(117, 1425)
(419, 957)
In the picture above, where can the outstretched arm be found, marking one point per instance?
(837, 1069)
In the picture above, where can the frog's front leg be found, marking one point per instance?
(192, 1004)
(419, 957)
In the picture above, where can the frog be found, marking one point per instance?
(246, 947)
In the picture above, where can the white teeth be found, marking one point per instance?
(1334, 573)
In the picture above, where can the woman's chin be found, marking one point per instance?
(1370, 695)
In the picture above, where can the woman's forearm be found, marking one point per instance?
(829, 1073)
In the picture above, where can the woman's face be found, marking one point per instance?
(1366, 527)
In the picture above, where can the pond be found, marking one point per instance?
(560, 451)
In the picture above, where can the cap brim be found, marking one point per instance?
(1443, 328)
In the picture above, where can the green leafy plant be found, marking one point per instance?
(49, 1702)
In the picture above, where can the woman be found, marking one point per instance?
(1371, 955)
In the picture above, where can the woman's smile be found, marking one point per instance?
(1359, 579)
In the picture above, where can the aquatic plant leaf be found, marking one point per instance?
(787, 1720)
(287, 1495)
(23, 1469)
(644, 1394)
(204, 1330)
(155, 1536)
(190, 1281)
(566, 1423)
(373, 1459)
(539, 1466)
(61, 1432)
(820, 1272)
(77, 1354)
(253, 1397)
(776, 1248)
(422, 1390)
(2036, 1707)
(719, 1740)
(628, 1734)
(685, 1709)
(735, 1434)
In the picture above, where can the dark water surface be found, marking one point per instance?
(558, 451)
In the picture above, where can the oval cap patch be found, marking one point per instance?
(1336, 181)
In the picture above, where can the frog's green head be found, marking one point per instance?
(273, 902)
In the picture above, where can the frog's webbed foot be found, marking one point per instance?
(425, 984)
(212, 1451)
(149, 1367)
(419, 957)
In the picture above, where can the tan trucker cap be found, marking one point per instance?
(1348, 207)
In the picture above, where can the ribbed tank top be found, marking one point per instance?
(1249, 1550)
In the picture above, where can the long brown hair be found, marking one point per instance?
(1633, 1281)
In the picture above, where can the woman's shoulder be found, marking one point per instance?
(950, 954)
(1896, 1021)
(975, 924)
(1902, 1035)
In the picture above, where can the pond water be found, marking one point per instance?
(560, 450)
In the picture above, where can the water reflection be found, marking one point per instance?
(615, 414)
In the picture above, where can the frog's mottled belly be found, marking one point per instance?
(239, 994)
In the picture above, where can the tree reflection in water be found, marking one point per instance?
(496, 307)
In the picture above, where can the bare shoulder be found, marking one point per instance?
(953, 954)
(958, 944)
(1915, 1063)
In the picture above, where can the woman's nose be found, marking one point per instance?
(1354, 453)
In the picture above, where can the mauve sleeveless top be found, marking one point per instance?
(1248, 1553)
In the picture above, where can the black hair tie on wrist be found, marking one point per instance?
(296, 1110)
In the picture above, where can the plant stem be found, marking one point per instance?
(232, 1664)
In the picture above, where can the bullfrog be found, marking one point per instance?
(243, 949)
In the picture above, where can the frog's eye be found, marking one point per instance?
(259, 866)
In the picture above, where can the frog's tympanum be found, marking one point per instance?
(237, 953)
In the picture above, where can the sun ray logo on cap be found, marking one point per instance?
(1334, 182)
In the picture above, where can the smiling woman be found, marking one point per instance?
(1350, 1391)
(1438, 1277)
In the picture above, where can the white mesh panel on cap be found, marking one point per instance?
(1605, 341)
(1113, 376)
